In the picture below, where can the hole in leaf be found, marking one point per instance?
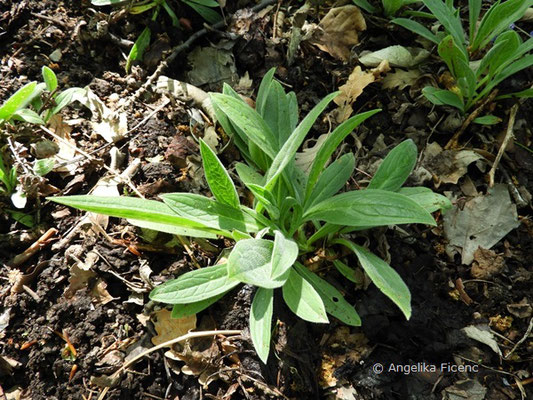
(335, 299)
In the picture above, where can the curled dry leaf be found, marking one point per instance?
(447, 166)
(353, 88)
(339, 31)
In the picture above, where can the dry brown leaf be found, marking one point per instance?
(168, 328)
(66, 153)
(353, 88)
(340, 347)
(486, 264)
(339, 31)
(400, 79)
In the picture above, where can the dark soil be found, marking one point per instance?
(309, 361)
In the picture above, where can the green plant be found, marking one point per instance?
(480, 59)
(202, 7)
(44, 99)
(294, 213)
(8, 177)
(389, 7)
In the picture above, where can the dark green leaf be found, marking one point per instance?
(218, 178)
(138, 48)
(396, 167)
(384, 277)
(211, 213)
(369, 208)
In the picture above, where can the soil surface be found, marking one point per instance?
(77, 309)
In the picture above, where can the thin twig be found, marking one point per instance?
(454, 141)
(190, 335)
(34, 248)
(528, 332)
(508, 136)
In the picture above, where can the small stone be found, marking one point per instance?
(56, 55)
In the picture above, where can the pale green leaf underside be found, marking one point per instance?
(303, 299)
(250, 262)
(333, 300)
(261, 321)
(195, 286)
(284, 254)
(426, 198)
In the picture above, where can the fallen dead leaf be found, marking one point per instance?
(447, 166)
(66, 153)
(357, 81)
(482, 222)
(486, 264)
(339, 31)
(465, 390)
(400, 79)
(168, 328)
(482, 334)
(305, 159)
(522, 309)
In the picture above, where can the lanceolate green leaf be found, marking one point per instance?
(474, 8)
(441, 97)
(417, 28)
(369, 208)
(332, 179)
(497, 19)
(334, 301)
(261, 321)
(195, 286)
(384, 277)
(218, 178)
(396, 167)
(329, 146)
(289, 149)
(303, 299)
(449, 18)
(249, 121)
(138, 48)
(184, 310)
(17, 100)
(264, 89)
(149, 213)
(211, 213)
(49, 78)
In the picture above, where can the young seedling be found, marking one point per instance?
(293, 213)
(480, 58)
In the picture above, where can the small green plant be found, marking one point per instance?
(480, 59)
(294, 213)
(8, 178)
(203, 7)
(36, 102)
(389, 7)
